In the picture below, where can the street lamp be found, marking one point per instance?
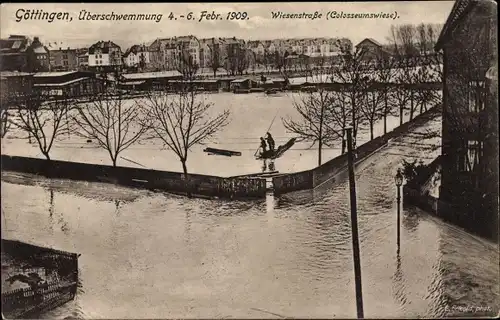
(398, 179)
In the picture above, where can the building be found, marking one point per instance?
(137, 57)
(15, 87)
(372, 49)
(168, 53)
(148, 80)
(82, 58)
(105, 56)
(68, 84)
(62, 57)
(189, 46)
(469, 177)
(13, 53)
(39, 54)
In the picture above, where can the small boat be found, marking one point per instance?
(274, 154)
(271, 91)
(222, 152)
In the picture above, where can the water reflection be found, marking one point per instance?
(399, 289)
(410, 220)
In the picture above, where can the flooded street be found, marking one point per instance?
(150, 255)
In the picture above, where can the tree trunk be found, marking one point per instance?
(386, 111)
(114, 160)
(343, 145)
(320, 147)
(186, 178)
(371, 129)
(46, 154)
(412, 105)
(215, 73)
(385, 122)
(401, 114)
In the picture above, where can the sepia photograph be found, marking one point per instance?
(272, 160)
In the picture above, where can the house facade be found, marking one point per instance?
(13, 53)
(469, 178)
(137, 57)
(372, 49)
(38, 56)
(165, 54)
(62, 57)
(105, 56)
(82, 59)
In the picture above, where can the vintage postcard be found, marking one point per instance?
(249, 160)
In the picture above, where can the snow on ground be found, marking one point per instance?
(251, 117)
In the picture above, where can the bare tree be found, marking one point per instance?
(43, 119)
(384, 73)
(338, 116)
(186, 65)
(214, 58)
(242, 60)
(182, 120)
(313, 126)
(111, 122)
(372, 106)
(351, 73)
(5, 124)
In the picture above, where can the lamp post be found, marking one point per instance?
(354, 225)
(398, 179)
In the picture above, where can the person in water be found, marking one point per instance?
(270, 141)
(263, 144)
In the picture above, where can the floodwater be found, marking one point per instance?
(251, 116)
(150, 255)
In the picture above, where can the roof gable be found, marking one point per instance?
(457, 12)
(369, 40)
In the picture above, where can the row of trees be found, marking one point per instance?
(369, 87)
(115, 122)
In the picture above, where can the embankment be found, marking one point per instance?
(196, 185)
(313, 178)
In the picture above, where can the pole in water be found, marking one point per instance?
(354, 225)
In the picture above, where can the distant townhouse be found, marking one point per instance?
(189, 46)
(137, 57)
(257, 47)
(38, 56)
(163, 54)
(82, 59)
(372, 49)
(13, 53)
(166, 53)
(105, 56)
(62, 57)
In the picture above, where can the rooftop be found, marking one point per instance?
(152, 75)
(53, 74)
(7, 74)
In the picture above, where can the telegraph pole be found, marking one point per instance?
(354, 225)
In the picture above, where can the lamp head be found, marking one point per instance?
(398, 178)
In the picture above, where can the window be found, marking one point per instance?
(65, 56)
(470, 155)
(477, 95)
(65, 63)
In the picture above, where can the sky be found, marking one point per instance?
(259, 24)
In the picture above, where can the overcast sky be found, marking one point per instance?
(260, 24)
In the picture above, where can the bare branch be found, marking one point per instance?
(115, 123)
(182, 120)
